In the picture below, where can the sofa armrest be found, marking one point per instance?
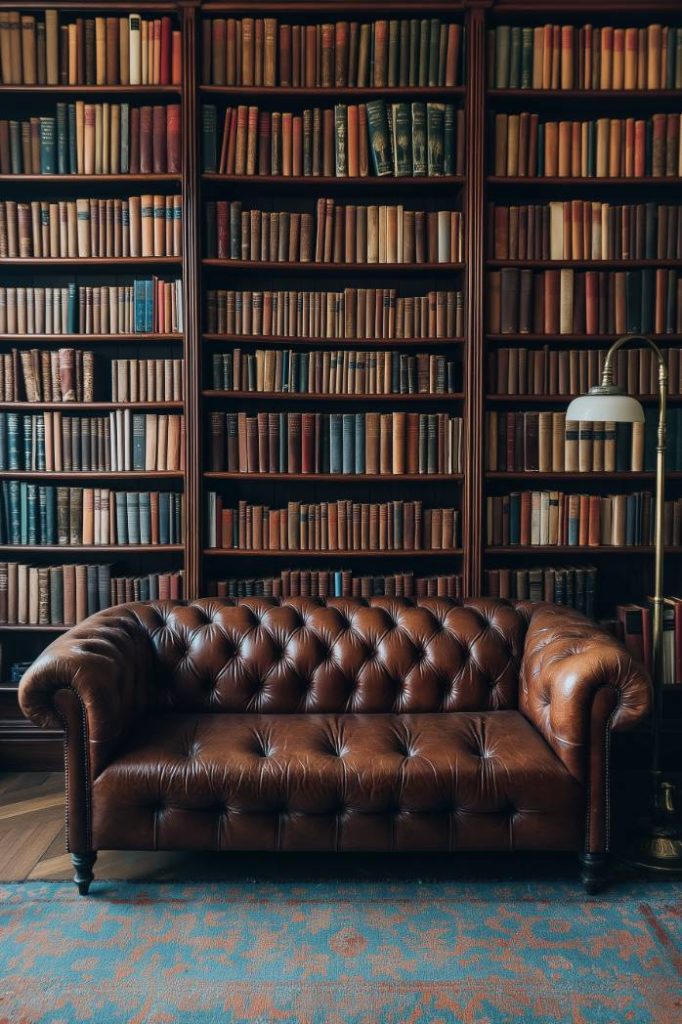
(94, 680)
(578, 682)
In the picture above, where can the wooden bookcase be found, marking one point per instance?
(618, 578)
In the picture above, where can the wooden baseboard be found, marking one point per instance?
(24, 747)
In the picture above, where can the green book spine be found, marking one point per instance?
(71, 138)
(515, 58)
(138, 440)
(526, 57)
(145, 514)
(379, 138)
(449, 139)
(502, 55)
(209, 121)
(413, 60)
(15, 147)
(62, 515)
(4, 441)
(419, 160)
(423, 52)
(25, 512)
(341, 139)
(56, 594)
(133, 516)
(72, 309)
(435, 113)
(48, 154)
(93, 605)
(678, 59)
(15, 511)
(62, 140)
(434, 46)
(164, 519)
(402, 139)
(104, 585)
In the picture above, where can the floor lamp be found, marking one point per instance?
(657, 845)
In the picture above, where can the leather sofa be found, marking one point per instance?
(305, 724)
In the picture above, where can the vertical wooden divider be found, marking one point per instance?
(191, 271)
(474, 252)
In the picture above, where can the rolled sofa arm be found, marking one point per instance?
(95, 681)
(578, 682)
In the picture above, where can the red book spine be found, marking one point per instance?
(173, 154)
(159, 129)
(308, 442)
(145, 140)
(165, 50)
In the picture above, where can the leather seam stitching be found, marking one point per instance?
(86, 772)
(607, 747)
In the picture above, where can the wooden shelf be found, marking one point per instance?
(571, 549)
(295, 396)
(584, 264)
(29, 340)
(334, 268)
(244, 93)
(423, 553)
(89, 179)
(337, 343)
(528, 182)
(591, 96)
(90, 549)
(565, 399)
(422, 478)
(92, 474)
(38, 407)
(534, 474)
(601, 340)
(102, 262)
(307, 181)
(23, 627)
(94, 90)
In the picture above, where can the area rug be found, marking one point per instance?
(332, 952)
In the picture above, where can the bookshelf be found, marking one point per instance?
(220, 317)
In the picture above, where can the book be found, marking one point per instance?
(340, 583)
(573, 586)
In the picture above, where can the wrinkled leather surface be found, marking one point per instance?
(338, 782)
(303, 724)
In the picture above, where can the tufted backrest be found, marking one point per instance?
(289, 655)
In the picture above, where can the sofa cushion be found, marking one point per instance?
(300, 655)
(347, 782)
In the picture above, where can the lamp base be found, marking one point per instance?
(657, 846)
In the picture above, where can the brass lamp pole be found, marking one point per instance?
(658, 845)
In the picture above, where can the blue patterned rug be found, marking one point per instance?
(333, 952)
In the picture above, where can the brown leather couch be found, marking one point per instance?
(300, 724)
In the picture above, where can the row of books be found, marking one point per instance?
(43, 514)
(63, 595)
(332, 526)
(549, 443)
(374, 443)
(123, 50)
(579, 520)
(395, 52)
(338, 234)
(352, 313)
(346, 141)
(570, 371)
(147, 305)
(148, 225)
(579, 229)
(635, 628)
(585, 57)
(94, 138)
(147, 380)
(340, 583)
(44, 375)
(119, 442)
(573, 586)
(343, 372)
(571, 301)
(608, 147)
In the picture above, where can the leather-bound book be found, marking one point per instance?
(144, 139)
(173, 128)
(159, 137)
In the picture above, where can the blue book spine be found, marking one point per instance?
(15, 511)
(164, 519)
(348, 461)
(139, 302)
(4, 513)
(32, 519)
(359, 442)
(338, 583)
(73, 151)
(145, 518)
(40, 442)
(4, 442)
(51, 515)
(133, 510)
(48, 149)
(139, 441)
(27, 435)
(335, 443)
(149, 306)
(72, 324)
(24, 513)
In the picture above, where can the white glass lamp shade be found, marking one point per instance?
(600, 407)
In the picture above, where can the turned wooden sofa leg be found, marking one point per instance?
(83, 864)
(594, 872)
